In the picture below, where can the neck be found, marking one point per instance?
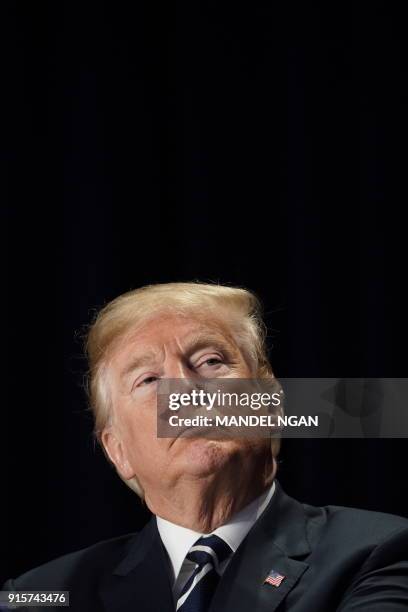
(203, 504)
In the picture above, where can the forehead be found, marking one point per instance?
(172, 330)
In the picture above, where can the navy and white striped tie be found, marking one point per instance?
(208, 553)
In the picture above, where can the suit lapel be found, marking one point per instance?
(277, 542)
(141, 580)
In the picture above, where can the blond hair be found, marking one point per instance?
(240, 307)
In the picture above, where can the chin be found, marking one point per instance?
(204, 456)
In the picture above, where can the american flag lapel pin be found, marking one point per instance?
(274, 578)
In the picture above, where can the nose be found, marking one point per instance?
(175, 366)
(178, 369)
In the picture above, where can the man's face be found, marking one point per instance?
(169, 346)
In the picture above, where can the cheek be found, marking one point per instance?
(138, 425)
(242, 370)
(136, 413)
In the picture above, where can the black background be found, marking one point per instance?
(260, 144)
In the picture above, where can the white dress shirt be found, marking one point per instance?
(178, 540)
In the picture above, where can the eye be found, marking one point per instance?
(148, 380)
(210, 364)
(212, 361)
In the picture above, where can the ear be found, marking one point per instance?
(116, 452)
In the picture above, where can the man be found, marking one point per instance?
(223, 536)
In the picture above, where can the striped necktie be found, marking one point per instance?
(208, 553)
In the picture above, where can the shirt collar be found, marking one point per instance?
(178, 540)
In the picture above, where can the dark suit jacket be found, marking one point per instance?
(333, 559)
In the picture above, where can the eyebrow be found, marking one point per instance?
(137, 362)
(193, 345)
(203, 341)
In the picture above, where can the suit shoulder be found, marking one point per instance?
(367, 525)
(85, 563)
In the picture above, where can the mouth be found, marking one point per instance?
(221, 432)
